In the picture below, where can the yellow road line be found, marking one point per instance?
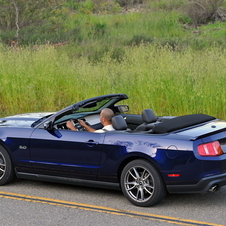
(103, 209)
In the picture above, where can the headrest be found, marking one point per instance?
(148, 116)
(119, 123)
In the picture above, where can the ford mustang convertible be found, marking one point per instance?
(146, 156)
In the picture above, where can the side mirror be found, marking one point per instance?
(122, 108)
(48, 125)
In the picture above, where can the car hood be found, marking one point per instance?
(22, 120)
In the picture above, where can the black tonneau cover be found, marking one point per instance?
(181, 122)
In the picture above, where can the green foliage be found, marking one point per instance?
(184, 19)
(140, 39)
(170, 82)
(30, 12)
(98, 30)
(117, 54)
(69, 20)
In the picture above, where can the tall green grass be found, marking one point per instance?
(170, 82)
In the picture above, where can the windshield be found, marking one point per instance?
(92, 106)
(84, 110)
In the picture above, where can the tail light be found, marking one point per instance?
(210, 149)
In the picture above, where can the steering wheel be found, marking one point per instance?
(77, 124)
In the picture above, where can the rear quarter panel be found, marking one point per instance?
(165, 152)
(169, 153)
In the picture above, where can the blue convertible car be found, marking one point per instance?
(146, 156)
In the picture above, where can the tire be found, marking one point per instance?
(142, 184)
(6, 168)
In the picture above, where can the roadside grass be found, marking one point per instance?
(170, 82)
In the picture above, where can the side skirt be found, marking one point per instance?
(72, 181)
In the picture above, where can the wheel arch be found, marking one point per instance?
(135, 157)
(2, 144)
(8, 170)
(8, 150)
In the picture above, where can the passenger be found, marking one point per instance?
(106, 116)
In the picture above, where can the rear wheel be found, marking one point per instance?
(142, 184)
(6, 168)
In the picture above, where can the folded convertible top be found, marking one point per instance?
(181, 122)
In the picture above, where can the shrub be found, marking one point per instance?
(118, 54)
(126, 3)
(140, 39)
(202, 11)
(165, 4)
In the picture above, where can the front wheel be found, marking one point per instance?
(6, 168)
(142, 184)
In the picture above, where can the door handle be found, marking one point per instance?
(91, 143)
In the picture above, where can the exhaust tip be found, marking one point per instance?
(213, 188)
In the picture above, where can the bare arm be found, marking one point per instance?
(84, 125)
(70, 125)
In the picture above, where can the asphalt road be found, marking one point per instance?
(28, 203)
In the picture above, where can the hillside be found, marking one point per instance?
(168, 55)
(101, 25)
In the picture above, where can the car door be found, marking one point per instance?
(66, 153)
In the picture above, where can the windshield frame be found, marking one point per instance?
(81, 109)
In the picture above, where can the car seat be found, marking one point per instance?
(119, 123)
(149, 118)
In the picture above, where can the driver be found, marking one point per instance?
(106, 116)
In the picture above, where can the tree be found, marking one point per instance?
(17, 14)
